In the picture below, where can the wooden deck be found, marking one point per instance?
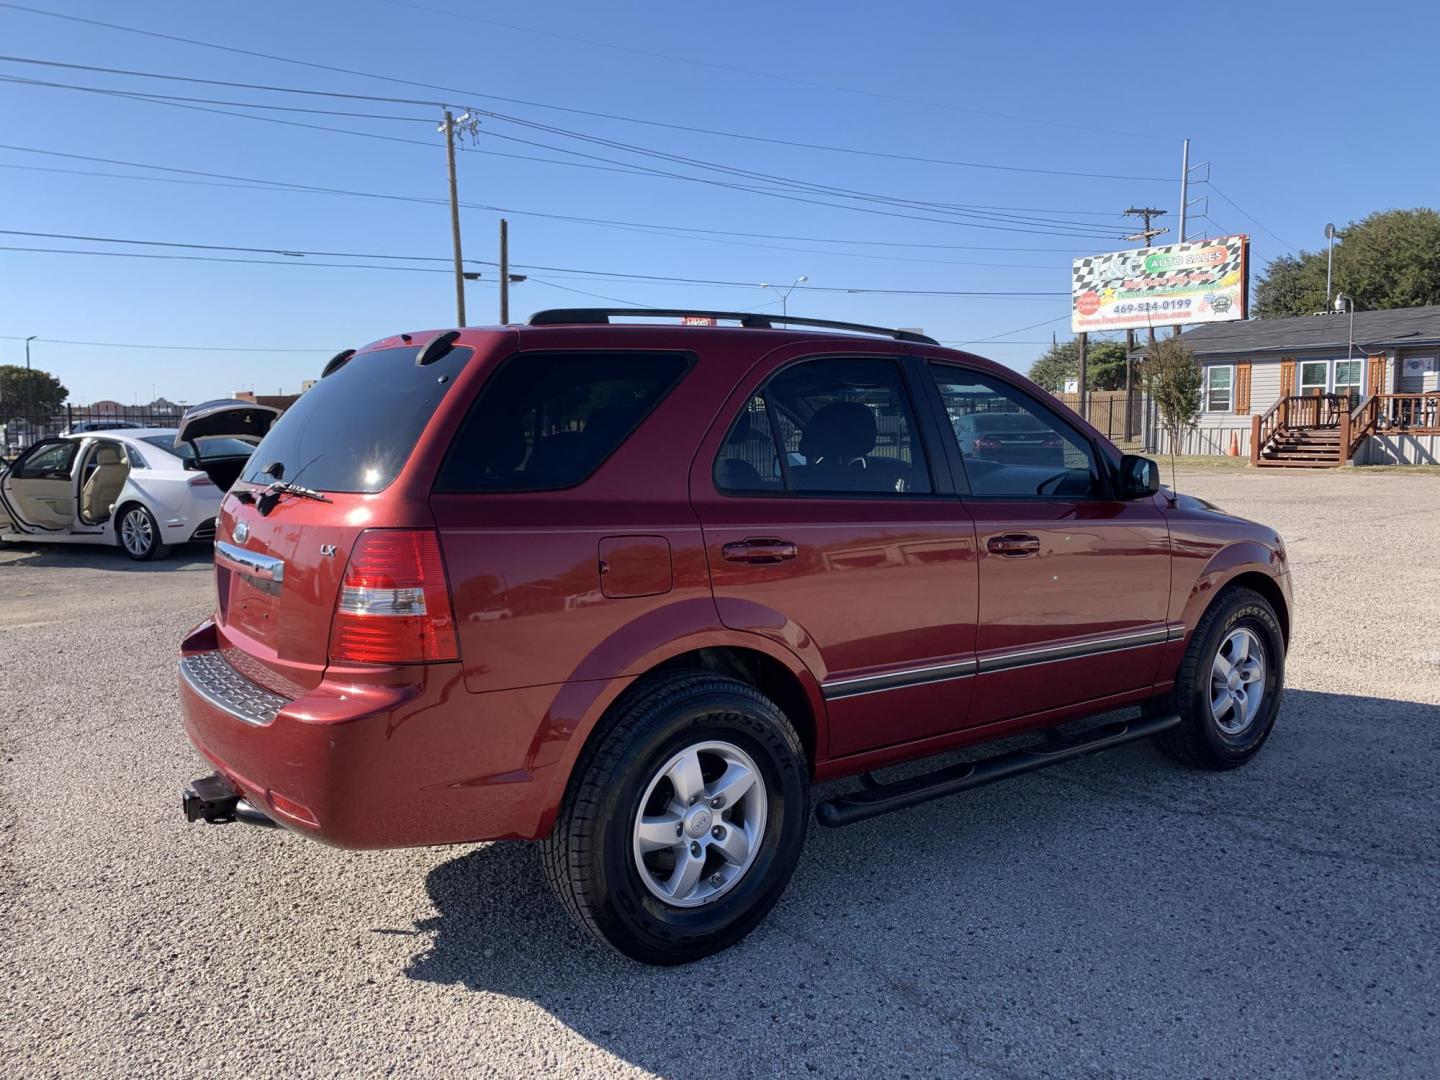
(1327, 430)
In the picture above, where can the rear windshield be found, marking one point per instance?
(1004, 422)
(355, 428)
(210, 448)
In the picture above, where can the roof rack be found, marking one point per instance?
(558, 316)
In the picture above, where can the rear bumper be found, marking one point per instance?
(407, 758)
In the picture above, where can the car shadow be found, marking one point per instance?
(1113, 911)
(104, 557)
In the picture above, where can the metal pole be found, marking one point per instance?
(455, 219)
(1080, 382)
(1329, 261)
(504, 272)
(1129, 383)
(1184, 185)
(29, 392)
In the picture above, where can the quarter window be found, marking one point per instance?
(826, 427)
(547, 420)
(1219, 388)
(1010, 444)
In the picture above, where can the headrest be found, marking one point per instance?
(842, 429)
(108, 455)
(608, 425)
(502, 447)
(741, 431)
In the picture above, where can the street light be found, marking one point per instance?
(1329, 259)
(785, 292)
(1342, 303)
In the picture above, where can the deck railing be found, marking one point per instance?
(1316, 410)
(1264, 427)
(1362, 422)
(1417, 414)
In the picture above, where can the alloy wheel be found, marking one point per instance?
(700, 824)
(1237, 681)
(136, 532)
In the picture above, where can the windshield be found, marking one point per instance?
(210, 448)
(354, 430)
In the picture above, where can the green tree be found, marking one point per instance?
(1387, 260)
(46, 394)
(1104, 366)
(1173, 377)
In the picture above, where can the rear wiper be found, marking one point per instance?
(271, 495)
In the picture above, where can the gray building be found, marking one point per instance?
(1285, 391)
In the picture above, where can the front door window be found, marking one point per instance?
(1347, 378)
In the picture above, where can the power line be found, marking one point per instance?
(610, 274)
(1019, 330)
(472, 94)
(178, 98)
(665, 231)
(1284, 243)
(1045, 226)
(788, 185)
(185, 348)
(767, 75)
(259, 183)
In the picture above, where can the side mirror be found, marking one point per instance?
(1139, 476)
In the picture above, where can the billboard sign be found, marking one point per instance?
(1198, 282)
(697, 320)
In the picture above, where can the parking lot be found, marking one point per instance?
(1118, 916)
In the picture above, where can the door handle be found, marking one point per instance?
(760, 550)
(1013, 545)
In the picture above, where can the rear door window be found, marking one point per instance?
(548, 420)
(827, 427)
(354, 430)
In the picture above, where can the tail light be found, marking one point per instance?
(988, 442)
(394, 605)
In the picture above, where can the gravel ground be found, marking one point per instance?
(1118, 916)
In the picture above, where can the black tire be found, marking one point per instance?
(1200, 740)
(143, 521)
(590, 857)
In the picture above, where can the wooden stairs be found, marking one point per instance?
(1302, 448)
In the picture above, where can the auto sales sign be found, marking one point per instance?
(1199, 282)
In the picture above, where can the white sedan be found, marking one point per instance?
(140, 488)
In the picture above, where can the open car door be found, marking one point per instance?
(214, 431)
(37, 493)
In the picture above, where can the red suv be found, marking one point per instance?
(629, 590)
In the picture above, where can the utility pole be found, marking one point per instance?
(504, 272)
(1184, 186)
(1084, 340)
(448, 127)
(1146, 234)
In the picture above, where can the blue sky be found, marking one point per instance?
(1298, 108)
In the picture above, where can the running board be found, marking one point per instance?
(876, 798)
